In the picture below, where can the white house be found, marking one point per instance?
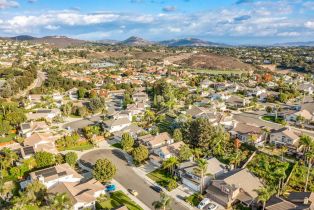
(114, 125)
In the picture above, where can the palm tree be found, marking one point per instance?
(283, 150)
(264, 195)
(197, 152)
(201, 170)
(307, 142)
(310, 158)
(60, 201)
(170, 164)
(164, 202)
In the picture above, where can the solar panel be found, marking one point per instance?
(46, 172)
(28, 150)
(63, 173)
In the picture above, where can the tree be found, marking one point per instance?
(269, 109)
(172, 184)
(283, 98)
(197, 152)
(307, 142)
(177, 135)
(127, 141)
(59, 159)
(16, 117)
(310, 157)
(9, 155)
(201, 170)
(44, 159)
(164, 202)
(104, 170)
(170, 164)
(264, 194)
(185, 153)
(140, 154)
(59, 201)
(71, 158)
(81, 92)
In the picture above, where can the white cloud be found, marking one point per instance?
(309, 24)
(289, 34)
(4, 4)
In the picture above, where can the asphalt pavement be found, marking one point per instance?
(126, 176)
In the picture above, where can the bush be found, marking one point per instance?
(172, 185)
(71, 158)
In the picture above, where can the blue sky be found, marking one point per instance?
(227, 21)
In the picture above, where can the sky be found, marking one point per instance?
(224, 21)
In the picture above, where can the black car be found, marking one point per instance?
(156, 188)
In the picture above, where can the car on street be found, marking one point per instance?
(203, 203)
(110, 188)
(212, 206)
(133, 192)
(156, 188)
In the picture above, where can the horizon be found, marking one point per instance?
(233, 22)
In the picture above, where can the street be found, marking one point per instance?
(126, 176)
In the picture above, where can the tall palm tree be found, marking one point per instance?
(307, 142)
(170, 164)
(60, 201)
(310, 158)
(264, 195)
(164, 202)
(201, 170)
(197, 152)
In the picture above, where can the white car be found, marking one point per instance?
(212, 206)
(203, 203)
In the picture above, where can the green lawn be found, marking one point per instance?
(215, 72)
(80, 147)
(160, 176)
(7, 138)
(118, 199)
(117, 145)
(273, 119)
(194, 199)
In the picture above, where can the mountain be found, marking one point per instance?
(58, 41)
(192, 42)
(136, 41)
(295, 44)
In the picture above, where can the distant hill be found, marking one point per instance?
(189, 42)
(58, 41)
(136, 41)
(295, 44)
(214, 62)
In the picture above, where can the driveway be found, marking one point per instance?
(126, 176)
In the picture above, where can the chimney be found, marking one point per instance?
(306, 201)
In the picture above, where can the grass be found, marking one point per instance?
(194, 199)
(118, 199)
(273, 119)
(217, 72)
(79, 147)
(161, 177)
(117, 145)
(8, 138)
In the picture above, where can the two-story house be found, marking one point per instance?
(190, 177)
(285, 137)
(235, 186)
(114, 125)
(247, 133)
(154, 142)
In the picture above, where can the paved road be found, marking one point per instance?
(253, 118)
(41, 76)
(126, 176)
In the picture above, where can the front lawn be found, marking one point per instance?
(194, 199)
(279, 120)
(80, 147)
(118, 199)
(7, 138)
(161, 177)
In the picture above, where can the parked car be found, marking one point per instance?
(110, 188)
(212, 206)
(133, 192)
(203, 203)
(156, 188)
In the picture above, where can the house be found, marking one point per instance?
(42, 142)
(295, 200)
(197, 112)
(82, 194)
(63, 179)
(247, 133)
(235, 102)
(27, 129)
(47, 114)
(235, 186)
(114, 125)
(153, 142)
(294, 115)
(54, 175)
(285, 137)
(133, 130)
(140, 97)
(307, 88)
(168, 151)
(187, 171)
(136, 109)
